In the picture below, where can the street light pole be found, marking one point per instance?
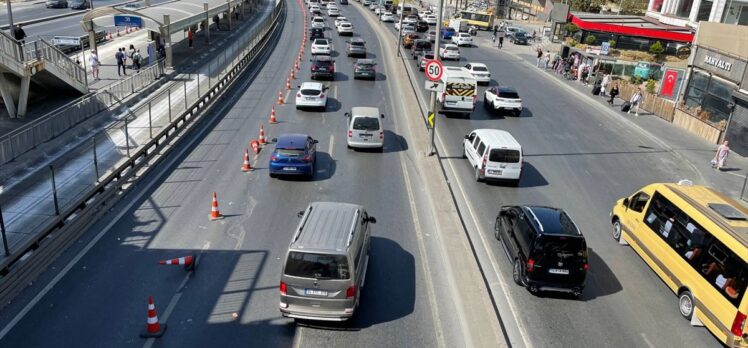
(400, 30)
(434, 105)
(10, 18)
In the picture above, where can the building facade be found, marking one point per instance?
(688, 13)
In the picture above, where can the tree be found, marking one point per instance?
(651, 85)
(656, 48)
(587, 5)
(590, 39)
(571, 28)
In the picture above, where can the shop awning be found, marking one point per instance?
(631, 26)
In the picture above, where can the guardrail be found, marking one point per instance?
(72, 219)
(43, 50)
(58, 121)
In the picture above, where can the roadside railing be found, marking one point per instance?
(43, 50)
(9, 46)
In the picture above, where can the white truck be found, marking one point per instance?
(458, 91)
(459, 25)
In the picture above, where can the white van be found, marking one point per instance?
(494, 154)
(459, 91)
(405, 9)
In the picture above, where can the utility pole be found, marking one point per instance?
(434, 106)
(400, 28)
(10, 19)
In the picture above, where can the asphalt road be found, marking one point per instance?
(580, 159)
(101, 301)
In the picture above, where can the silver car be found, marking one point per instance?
(326, 262)
(365, 129)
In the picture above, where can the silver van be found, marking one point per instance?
(364, 128)
(326, 262)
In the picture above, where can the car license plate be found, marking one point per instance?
(290, 169)
(309, 98)
(495, 172)
(315, 292)
(558, 271)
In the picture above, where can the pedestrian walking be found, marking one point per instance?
(720, 158)
(546, 59)
(604, 84)
(19, 34)
(217, 20)
(131, 54)
(495, 29)
(120, 57)
(93, 61)
(501, 34)
(137, 59)
(539, 54)
(189, 37)
(635, 101)
(613, 93)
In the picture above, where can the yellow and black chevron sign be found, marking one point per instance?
(461, 89)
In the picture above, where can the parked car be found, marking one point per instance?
(294, 154)
(311, 95)
(419, 47)
(502, 98)
(480, 72)
(494, 155)
(547, 249)
(323, 67)
(56, 4)
(364, 128)
(356, 47)
(365, 69)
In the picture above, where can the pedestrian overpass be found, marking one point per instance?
(35, 67)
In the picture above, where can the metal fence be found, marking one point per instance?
(51, 125)
(50, 54)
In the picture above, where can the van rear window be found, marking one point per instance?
(366, 123)
(317, 266)
(504, 156)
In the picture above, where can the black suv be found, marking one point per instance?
(420, 46)
(422, 26)
(548, 250)
(323, 67)
(316, 33)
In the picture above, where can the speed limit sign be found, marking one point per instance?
(434, 70)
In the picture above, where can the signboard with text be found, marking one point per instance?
(128, 21)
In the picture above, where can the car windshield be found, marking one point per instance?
(520, 34)
(561, 246)
(357, 43)
(451, 48)
(366, 123)
(310, 92)
(320, 42)
(317, 266)
(290, 152)
(318, 20)
(479, 68)
(508, 94)
(504, 156)
(364, 66)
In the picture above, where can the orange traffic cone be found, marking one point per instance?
(255, 146)
(187, 261)
(246, 167)
(214, 213)
(262, 135)
(152, 327)
(280, 97)
(118, 32)
(288, 84)
(273, 120)
(293, 72)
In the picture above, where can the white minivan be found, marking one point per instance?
(458, 91)
(365, 128)
(494, 154)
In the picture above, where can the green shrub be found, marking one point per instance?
(651, 85)
(656, 48)
(612, 43)
(590, 39)
(572, 43)
(571, 28)
(636, 80)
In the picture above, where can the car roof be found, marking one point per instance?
(506, 89)
(311, 85)
(291, 141)
(477, 64)
(322, 58)
(321, 38)
(365, 61)
(551, 221)
(497, 136)
(357, 39)
(370, 111)
(327, 227)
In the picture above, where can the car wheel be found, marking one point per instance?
(493, 107)
(273, 175)
(517, 273)
(496, 231)
(464, 152)
(617, 230)
(686, 305)
(515, 183)
(311, 172)
(517, 113)
(477, 175)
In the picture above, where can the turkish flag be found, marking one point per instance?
(668, 83)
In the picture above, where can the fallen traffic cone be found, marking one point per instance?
(262, 135)
(246, 167)
(152, 327)
(187, 261)
(280, 97)
(288, 84)
(214, 213)
(255, 146)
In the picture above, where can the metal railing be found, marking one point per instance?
(43, 50)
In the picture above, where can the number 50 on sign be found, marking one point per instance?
(434, 70)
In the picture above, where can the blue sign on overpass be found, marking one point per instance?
(128, 21)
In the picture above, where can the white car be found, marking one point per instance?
(408, 29)
(387, 17)
(502, 98)
(345, 29)
(318, 22)
(408, 20)
(332, 5)
(311, 95)
(373, 6)
(333, 12)
(366, 2)
(365, 128)
(480, 72)
(315, 10)
(321, 46)
(379, 10)
(430, 19)
(449, 51)
(339, 20)
(462, 39)
(423, 14)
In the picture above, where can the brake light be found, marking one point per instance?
(314, 66)
(298, 95)
(350, 134)
(586, 266)
(351, 291)
(530, 265)
(483, 169)
(475, 98)
(307, 158)
(283, 288)
(381, 135)
(737, 324)
(273, 157)
(321, 95)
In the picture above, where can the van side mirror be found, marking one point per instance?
(300, 214)
(382, 115)
(372, 219)
(625, 202)
(467, 136)
(315, 141)
(347, 115)
(325, 88)
(274, 140)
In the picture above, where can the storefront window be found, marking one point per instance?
(704, 10)
(657, 5)
(684, 10)
(711, 94)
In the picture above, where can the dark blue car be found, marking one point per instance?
(447, 33)
(294, 154)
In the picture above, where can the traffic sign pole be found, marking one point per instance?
(434, 104)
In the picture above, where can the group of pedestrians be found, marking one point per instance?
(499, 32)
(122, 56)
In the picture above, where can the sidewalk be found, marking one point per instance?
(695, 152)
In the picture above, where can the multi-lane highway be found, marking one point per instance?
(232, 298)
